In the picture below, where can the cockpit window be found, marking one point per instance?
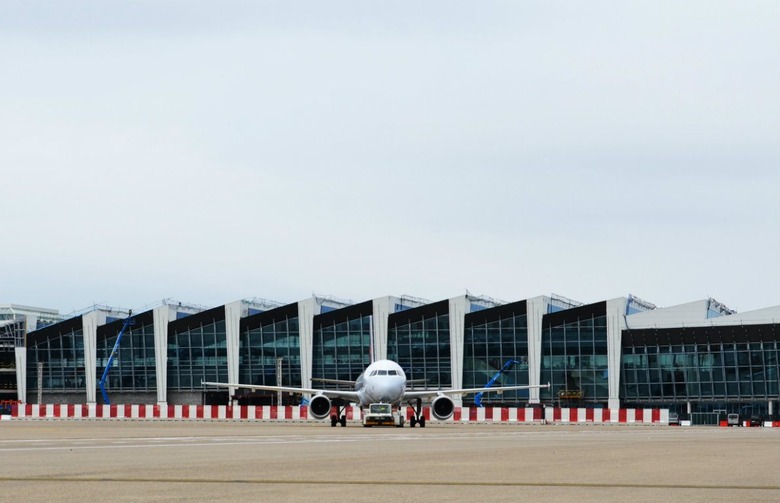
(392, 373)
(382, 372)
(373, 373)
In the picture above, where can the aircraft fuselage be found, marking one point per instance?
(384, 381)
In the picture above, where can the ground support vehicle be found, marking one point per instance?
(382, 414)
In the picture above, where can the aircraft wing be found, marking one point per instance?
(333, 381)
(331, 393)
(425, 393)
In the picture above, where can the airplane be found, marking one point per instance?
(383, 381)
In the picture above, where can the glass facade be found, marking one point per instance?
(493, 338)
(736, 364)
(133, 368)
(60, 348)
(713, 368)
(574, 355)
(342, 343)
(419, 341)
(265, 337)
(197, 350)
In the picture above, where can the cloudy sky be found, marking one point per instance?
(211, 151)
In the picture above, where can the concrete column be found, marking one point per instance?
(381, 309)
(90, 323)
(458, 307)
(535, 308)
(307, 309)
(770, 408)
(233, 313)
(162, 316)
(616, 323)
(20, 354)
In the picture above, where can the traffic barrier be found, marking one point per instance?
(550, 415)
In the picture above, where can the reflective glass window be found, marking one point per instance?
(260, 348)
(422, 348)
(62, 356)
(489, 347)
(576, 354)
(197, 354)
(133, 368)
(732, 372)
(341, 350)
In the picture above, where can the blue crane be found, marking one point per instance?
(129, 321)
(478, 396)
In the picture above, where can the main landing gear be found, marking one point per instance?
(418, 417)
(339, 417)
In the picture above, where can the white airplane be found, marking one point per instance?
(384, 381)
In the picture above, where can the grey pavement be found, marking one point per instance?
(117, 461)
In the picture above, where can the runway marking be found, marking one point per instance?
(394, 436)
(376, 435)
(405, 483)
(200, 442)
(556, 436)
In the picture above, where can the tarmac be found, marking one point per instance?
(131, 461)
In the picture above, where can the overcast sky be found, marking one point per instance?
(212, 151)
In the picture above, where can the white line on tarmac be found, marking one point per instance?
(222, 441)
(140, 442)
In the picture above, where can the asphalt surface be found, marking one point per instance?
(118, 461)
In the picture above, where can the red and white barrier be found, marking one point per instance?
(746, 424)
(147, 411)
(300, 414)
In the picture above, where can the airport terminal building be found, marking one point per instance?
(694, 358)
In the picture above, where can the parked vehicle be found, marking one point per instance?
(383, 414)
(674, 418)
(755, 421)
(733, 420)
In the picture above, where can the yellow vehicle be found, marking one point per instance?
(570, 394)
(382, 414)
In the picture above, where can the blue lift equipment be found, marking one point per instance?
(478, 396)
(129, 321)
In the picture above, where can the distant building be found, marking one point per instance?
(699, 358)
(15, 321)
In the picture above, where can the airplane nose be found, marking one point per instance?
(387, 392)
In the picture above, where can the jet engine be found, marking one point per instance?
(319, 407)
(442, 407)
